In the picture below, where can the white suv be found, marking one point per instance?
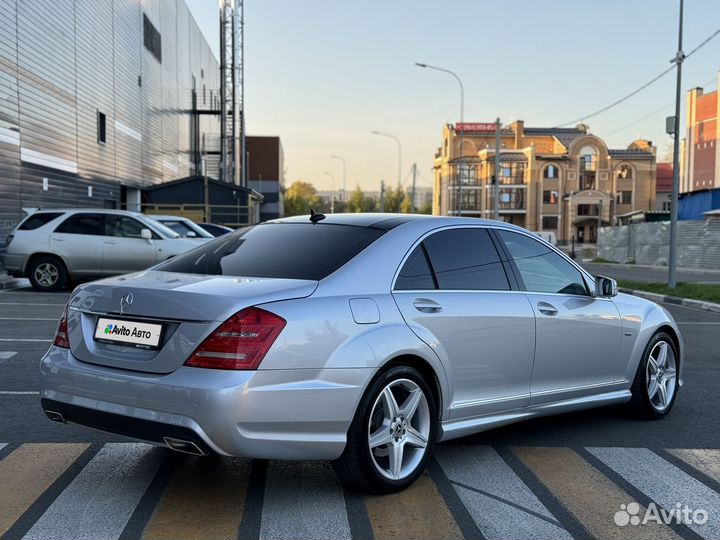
(55, 247)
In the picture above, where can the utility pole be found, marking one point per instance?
(672, 261)
(412, 200)
(382, 195)
(496, 189)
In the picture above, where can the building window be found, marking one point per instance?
(551, 171)
(550, 197)
(588, 159)
(624, 172)
(101, 128)
(152, 39)
(588, 210)
(666, 206)
(549, 223)
(624, 197)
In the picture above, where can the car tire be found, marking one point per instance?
(47, 274)
(656, 382)
(396, 418)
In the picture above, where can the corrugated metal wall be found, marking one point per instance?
(648, 243)
(65, 61)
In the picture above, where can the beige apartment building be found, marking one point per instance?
(564, 180)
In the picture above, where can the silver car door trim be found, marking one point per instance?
(452, 429)
(474, 402)
(578, 387)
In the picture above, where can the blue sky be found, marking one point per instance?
(322, 74)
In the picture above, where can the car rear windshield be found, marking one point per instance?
(37, 220)
(277, 250)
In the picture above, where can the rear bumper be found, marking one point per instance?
(13, 263)
(283, 414)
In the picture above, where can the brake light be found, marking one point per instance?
(61, 334)
(241, 342)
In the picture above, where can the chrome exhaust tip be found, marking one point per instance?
(186, 447)
(55, 416)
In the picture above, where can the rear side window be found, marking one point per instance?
(277, 250)
(466, 259)
(541, 269)
(416, 272)
(37, 220)
(93, 224)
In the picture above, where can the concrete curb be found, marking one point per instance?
(688, 302)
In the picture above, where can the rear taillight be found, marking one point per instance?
(8, 239)
(241, 342)
(61, 334)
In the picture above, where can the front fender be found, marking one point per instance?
(641, 319)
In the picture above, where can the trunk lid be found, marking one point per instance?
(188, 306)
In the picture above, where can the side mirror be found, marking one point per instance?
(605, 287)
(191, 234)
(146, 234)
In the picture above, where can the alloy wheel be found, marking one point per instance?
(399, 429)
(661, 376)
(46, 274)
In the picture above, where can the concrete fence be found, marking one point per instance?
(648, 243)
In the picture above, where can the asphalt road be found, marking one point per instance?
(557, 477)
(650, 274)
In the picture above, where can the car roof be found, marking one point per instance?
(390, 221)
(89, 211)
(166, 216)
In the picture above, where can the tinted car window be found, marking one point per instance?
(416, 272)
(83, 224)
(37, 220)
(123, 226)
(466, 259)
(277, 250)
(541, 269)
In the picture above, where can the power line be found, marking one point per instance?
(650, 115)
(644, 86)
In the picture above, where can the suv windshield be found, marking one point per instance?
(277, 250)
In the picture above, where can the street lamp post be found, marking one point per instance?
(399, 145)
(462, 120)
(332, 193)
(344, 185)
(672, 260)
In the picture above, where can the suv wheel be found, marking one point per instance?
(391, 437)
(47, 274)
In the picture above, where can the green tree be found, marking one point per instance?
(300, 197)
(396, 200)
(358, 202)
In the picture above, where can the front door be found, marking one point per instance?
(577, 335)
(454, 293)
(124, 250)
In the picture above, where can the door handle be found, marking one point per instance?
(112, 242)
(547, 309)
(55, 239)
(426, 305)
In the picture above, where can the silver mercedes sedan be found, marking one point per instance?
(364, 339)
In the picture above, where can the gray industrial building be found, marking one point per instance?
(101, 99)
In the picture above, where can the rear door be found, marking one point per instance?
(578, 336)
(124, 250)
(78, 240)
(455, 293)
